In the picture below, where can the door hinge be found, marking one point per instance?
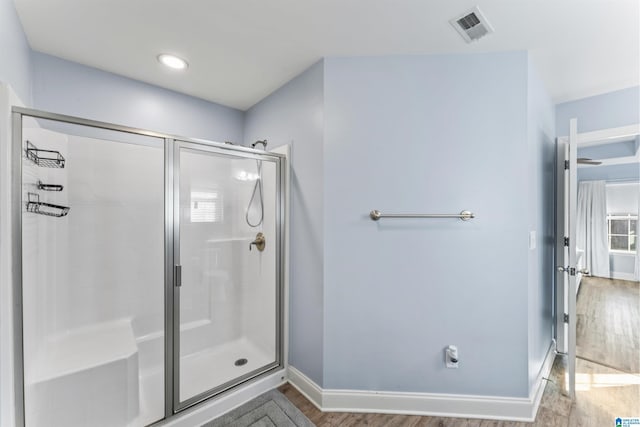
(566, 164)
(566, 318)
(566, 241)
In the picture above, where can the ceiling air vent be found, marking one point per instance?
(472, 25)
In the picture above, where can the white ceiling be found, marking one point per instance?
(239, 51)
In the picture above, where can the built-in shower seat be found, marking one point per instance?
(104, 358)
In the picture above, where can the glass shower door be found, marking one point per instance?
(227, 255)
(92, 277)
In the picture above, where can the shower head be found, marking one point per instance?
(263, 142)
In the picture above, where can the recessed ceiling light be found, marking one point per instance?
(172, 61)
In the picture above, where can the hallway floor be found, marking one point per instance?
(608, 328)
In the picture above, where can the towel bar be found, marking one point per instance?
(464, 215)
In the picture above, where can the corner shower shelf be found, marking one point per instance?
(49, 187)
(44, 158)
(34, 205)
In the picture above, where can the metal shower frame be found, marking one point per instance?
(171, 147)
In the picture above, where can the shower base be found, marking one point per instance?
(206, 369)
(199, 372)
(95, 369)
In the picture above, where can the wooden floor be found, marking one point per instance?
(602, 394)
(608, 323)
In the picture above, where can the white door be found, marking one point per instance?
(566, 258)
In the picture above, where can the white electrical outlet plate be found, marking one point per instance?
(451, 352)
(532, 240)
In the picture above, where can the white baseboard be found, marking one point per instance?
(429, 404)
(306, 387)
(538, 388)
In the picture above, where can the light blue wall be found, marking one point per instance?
(294, 115)
(629, 172)
(426, 134)
(609, 110)
(541, 164)
(15, 64)
(608, 151)
(70, 88)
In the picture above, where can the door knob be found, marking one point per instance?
(562, 269)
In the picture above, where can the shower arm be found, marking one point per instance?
(263, 142)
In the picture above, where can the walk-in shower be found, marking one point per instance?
(138, 294)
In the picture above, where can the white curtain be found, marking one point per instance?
(591, 223)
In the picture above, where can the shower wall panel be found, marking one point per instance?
(93, 284)
(233, 280)
(210, 295)
(46, 250)
(115, 234)
(258, 268)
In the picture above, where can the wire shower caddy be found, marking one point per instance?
(49, 187)
(34, 205)
(44, 158)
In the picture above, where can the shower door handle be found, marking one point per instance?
(178, 276)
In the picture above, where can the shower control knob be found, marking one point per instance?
(259, 242)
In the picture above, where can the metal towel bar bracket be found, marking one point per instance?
(464, 215)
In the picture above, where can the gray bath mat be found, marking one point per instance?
(271, 409)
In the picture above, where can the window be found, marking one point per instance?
(622, 232)
(206, 206)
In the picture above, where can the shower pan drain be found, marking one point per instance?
(240, 362)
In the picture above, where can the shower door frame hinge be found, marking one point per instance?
(177, 275)
(566, 317)
(566, 241)
(566, 164)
